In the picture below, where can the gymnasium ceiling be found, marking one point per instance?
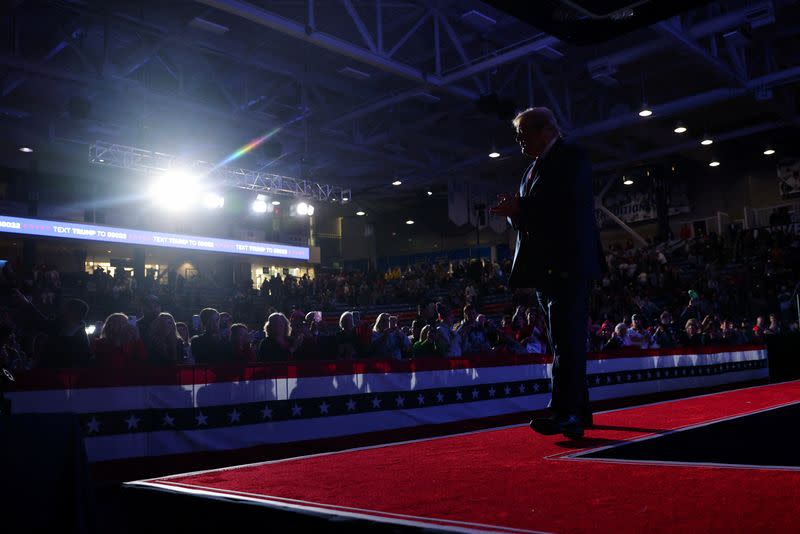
(359, 93)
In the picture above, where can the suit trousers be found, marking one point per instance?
(566, 308)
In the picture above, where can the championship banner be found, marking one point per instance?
(136, 413)
(789, 178)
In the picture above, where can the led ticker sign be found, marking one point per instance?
(107, 234)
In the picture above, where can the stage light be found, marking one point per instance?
(706, 141)
(259, 205)
(276, 202)
(304, 209)
(627, 181)
(494, 154)
(213, 201)
(679, 128)
(175, 190)
(90, 330)
(397, 182)
(360, 213)
(25, 149)
(714, 163)
(769, 151)
(409, 221)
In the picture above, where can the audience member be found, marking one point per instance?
(118, 345)
(208, 347)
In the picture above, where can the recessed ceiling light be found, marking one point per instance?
(706, 141)
(25, 149)
(360, 213)
(397, 182)
(714, 163)
(494, 154)
(409, 221)
(769, 152)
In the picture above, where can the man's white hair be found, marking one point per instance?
(539, 117)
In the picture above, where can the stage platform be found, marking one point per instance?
(720, 462)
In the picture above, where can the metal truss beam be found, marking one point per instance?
(181, 103)
(362, 29)
(667, 109)
(147, 161)
(329, 42)
(679, 37)
(711, 26)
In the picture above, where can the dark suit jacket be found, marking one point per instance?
(557, 238)
(208, 349)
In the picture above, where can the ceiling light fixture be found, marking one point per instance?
(276, 202)
(769, 151)
(679, 128)
(706, 141)
(409, 221)
(714, 163)
(494, 154)
(397, 182)
(25, 149)
(431, 192)
(360, 213)
(626, 180)
(645, 111)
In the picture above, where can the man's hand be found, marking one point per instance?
(507, 206)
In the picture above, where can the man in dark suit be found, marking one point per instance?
(209, 347)
(558, 252)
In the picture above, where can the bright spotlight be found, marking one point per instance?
(310, 210)
(259, 205)
(302, 208)
(90, 330)
(213, 201)
(174, 190)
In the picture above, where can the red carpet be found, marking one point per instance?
(510, 479)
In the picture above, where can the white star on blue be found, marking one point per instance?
(94, 425)
(133, 422)
(201, 419)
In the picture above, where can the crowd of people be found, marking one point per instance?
(705, 291)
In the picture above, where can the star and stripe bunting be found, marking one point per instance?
(229, 415)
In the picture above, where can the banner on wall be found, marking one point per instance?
(789, 178)
(640, 206)
(128, 414)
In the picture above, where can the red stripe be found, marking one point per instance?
(44, 379)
